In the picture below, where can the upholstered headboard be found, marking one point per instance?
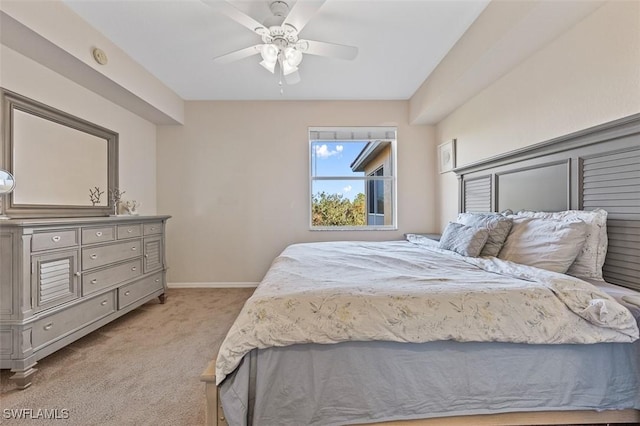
(596, 167)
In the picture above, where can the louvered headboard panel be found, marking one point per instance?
(477, 194)
(595, 168)
(612, 181)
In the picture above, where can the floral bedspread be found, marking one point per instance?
(405, 291)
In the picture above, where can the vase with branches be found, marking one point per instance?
(116, 197)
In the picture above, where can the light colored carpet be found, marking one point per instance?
(141, 369)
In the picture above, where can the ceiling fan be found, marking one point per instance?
(281, 45)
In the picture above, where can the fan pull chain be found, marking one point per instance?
(280, 81)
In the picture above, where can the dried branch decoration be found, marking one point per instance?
(94, 195)
(116, 195)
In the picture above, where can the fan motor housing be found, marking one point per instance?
(279, 8)
(280, 11)
(278, 35)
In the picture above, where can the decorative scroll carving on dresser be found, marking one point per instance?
(61, 279)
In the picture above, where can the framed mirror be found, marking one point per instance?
(63, 165)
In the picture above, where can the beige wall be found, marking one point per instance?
(587, 76)
(235, 178)
(137, 137)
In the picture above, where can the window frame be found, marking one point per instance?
(392, 178)
(372, 194)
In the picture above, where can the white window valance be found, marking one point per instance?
(351, 133)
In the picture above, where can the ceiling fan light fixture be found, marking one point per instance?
(269, 53)
(270, 66)
(292, 56)
(288, 68)
(281, 46)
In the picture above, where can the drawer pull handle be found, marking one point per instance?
(78, 274)
(157, 280)
(94, 281)
(133, 268)
(129, 231)
(55, 238)
(126, 293)
(146, 256)
(48, 326)
(94, 256)
(103, 303)
(153, 229)
(134, 248)
(99, 234)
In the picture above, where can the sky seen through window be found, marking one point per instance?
(334, 159)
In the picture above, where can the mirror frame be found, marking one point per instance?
(11, 102)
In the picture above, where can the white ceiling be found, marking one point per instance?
(400, 42)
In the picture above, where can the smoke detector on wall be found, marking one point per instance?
(99, 56)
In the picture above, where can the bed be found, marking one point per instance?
(492, 341)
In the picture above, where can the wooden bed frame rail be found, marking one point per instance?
(214, 416)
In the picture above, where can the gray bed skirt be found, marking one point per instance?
(365, 382)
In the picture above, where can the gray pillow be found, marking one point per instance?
(464, 240)
(498, 225)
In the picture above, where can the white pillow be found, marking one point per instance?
(589, 262)
(544, 243)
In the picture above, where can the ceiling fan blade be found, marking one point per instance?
(293, 78)
(238, 54)
(237, 15)
(301, 13)
(332, 50)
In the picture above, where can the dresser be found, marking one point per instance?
(61, 279)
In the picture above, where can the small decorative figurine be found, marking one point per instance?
(131, 207)
(94, 195)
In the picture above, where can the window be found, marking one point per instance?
(352, 178)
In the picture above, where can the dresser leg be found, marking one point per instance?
(162, 298)
(23, 378)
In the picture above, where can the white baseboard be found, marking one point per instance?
(218, 284)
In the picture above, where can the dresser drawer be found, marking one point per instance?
(98, 235)
(53, 327)
(92, 257)
(132, 292)
(152, 228)
(129, 231)
(54, 239)
(94, 281)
